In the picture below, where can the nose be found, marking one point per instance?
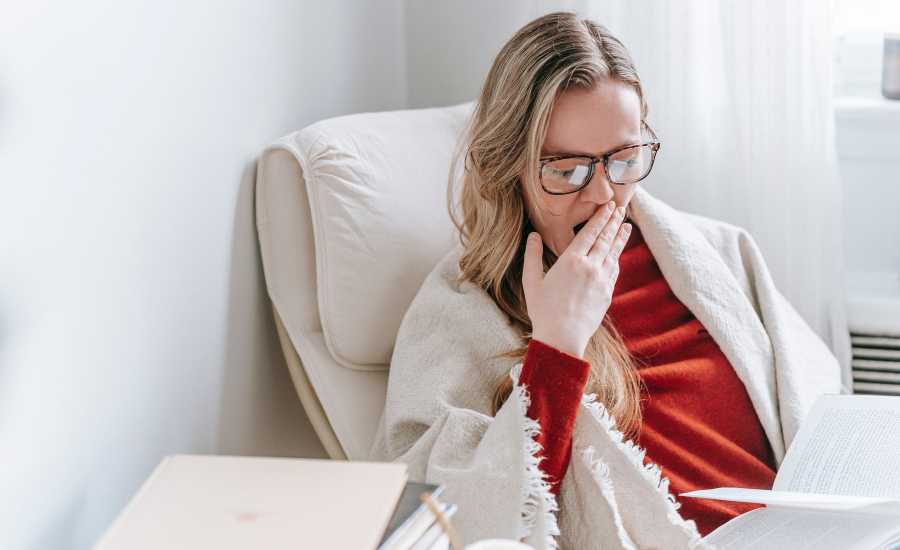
(599, 190)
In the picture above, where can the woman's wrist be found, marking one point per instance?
(563, 345)
(548, 367)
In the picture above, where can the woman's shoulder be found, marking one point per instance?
(734, 243)
(451, 342)
(727, 238)
(444, 284)
(716, 230)
(447, 305)
(735, 246)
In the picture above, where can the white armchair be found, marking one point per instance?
(351, 215)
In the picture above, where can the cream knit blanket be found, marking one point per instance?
(437, 415)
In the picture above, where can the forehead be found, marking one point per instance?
(594, 121)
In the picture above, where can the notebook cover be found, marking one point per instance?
(227, 503)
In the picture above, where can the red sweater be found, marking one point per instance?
(698, 422)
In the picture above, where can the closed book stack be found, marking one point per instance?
(413, 526)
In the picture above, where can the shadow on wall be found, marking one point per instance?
(259, 412)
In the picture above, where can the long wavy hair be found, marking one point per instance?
(503, 139)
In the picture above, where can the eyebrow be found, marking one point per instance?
(559, 152)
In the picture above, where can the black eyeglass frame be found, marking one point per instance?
(654, 143)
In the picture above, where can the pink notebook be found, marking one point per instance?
(223, 502)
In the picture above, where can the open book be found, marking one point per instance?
(838, 486)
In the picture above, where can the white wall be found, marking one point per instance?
(133, 319)
(451, 45)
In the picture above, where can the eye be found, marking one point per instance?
(559, 172)
(562, 175)
(629, 156)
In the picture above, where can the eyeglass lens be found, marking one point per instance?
(626, 166)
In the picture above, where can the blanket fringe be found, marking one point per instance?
(650, 471)
(600, 471)
(536, 490)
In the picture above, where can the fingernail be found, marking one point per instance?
(610, 205)
(532, 236)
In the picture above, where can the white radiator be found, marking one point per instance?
(873, 310)
(876, 364)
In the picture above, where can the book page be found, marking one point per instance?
(810, 501)
(774, 527)
(847, 445)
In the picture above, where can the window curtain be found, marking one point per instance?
(740, 94)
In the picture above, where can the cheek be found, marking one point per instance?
(555, 226)
(552, 212)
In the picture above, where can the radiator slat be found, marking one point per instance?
(873, 353)
(874, 387)
(875, 376)
(883, 342)
(873, 364)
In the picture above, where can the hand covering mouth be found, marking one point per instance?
(576, 228)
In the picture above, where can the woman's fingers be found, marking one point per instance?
(611, 261)
(568, 303)
(585, 238)
(533, 268)
(604, 242)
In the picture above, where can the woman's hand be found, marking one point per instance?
(568, 303)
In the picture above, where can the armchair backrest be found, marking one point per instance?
(352, 216)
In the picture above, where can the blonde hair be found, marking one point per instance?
(505, 133)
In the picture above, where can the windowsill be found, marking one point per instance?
(866, 106)
(867, 127)
(873, 302)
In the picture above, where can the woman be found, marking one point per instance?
(587, 348)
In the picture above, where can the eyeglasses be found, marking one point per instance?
(566, 174)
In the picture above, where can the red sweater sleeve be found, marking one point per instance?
(555, 381)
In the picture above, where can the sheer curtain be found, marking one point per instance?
(741, 96)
